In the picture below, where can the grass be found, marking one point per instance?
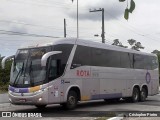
(3, 91)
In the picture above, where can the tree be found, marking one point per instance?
(135, 45)
(117, 43)
(129, 9)
(5, 75)
(157, 52)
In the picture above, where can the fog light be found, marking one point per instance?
(40, 99)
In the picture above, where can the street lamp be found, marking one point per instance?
(77, 20)
(103, 32)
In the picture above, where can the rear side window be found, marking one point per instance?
(139, 61)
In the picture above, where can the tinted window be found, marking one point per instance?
(139, 61)
(125, 60)
(145, 62)
(148, 62)
(82, 57)
(154, 63)
(98, 57)
(110, 58)
(66, 50)
(106, 58)
(58, 62)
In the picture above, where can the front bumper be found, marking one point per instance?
(34, 98)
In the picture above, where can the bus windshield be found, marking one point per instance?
(26, 69)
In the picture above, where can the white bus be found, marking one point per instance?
(70, 70)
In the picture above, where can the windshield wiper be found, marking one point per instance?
(20, 71)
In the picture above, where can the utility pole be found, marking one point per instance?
(77, 21)
(103, 32)
(65, 28)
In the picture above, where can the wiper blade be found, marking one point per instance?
(20, 71)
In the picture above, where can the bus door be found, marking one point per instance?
(54, 76)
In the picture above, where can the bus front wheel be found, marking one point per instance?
(71, 100)
(135, 95)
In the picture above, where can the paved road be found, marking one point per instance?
(4, 98)
(151, 104)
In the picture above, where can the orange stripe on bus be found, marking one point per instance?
(33, 89)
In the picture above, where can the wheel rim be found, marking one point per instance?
(135, 96)
(72, 100)
(143, 95)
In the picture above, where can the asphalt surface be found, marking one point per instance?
(85, 110)
(4, 98)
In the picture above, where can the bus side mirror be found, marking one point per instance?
(47, 55)
(5, 59)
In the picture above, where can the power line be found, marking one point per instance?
(25, 34)
(28, 24)
(62, 5)
(41, 4)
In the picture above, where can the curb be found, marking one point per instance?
(116, 118)
(5, 105)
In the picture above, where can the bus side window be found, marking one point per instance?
(154, 63)
(139, 61)
(82, 57)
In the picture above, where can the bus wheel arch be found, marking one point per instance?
(73, 96)
(143, 93)
(77, 90)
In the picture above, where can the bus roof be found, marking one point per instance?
(90, 44)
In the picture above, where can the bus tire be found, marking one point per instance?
(143, 95)
(135, 95)
(41, 106)
(71, 100)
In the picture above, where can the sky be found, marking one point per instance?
(37, 18)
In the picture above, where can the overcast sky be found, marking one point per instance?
(45, 17)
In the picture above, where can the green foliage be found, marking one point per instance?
(135, 45)
(117, 43)
(132, 6)
(126, 14)
(5, 75)
(128, 10)
(157, 52)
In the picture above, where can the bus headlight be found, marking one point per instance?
(39, 91)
